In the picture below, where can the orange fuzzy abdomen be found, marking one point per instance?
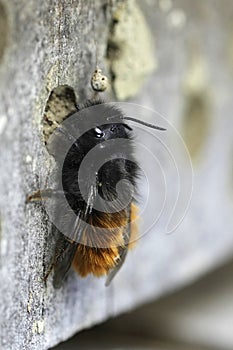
(103, 256)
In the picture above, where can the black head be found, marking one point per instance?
(100, 124)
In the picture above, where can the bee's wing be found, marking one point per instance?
(66, 247)
(122, 251)
(64, 255)
(113, 272)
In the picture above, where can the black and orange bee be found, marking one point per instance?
(96, 239)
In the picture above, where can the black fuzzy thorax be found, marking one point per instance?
(106, 132)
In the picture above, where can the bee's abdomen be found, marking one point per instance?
(99, 261)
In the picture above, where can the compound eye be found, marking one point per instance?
(98, 132)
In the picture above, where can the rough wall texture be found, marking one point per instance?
(45, 44)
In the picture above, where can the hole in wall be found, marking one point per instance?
(61, 102)
(196, 123)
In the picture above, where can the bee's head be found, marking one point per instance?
(110, 131)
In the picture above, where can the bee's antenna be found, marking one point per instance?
(152, 126)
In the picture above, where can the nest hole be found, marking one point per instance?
(60, 104)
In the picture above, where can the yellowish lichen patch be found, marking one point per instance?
(196, 113)
(130, 50)
(38, 326)
(52, 77)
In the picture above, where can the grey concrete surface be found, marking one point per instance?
(46, 44)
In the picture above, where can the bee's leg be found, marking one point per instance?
(63, 130)
(48, 272)
(40, 195)
(122, 251)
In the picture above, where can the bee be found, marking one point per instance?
(99, 220)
